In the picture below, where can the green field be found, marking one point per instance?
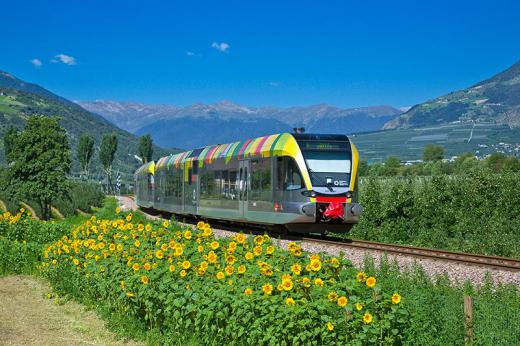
(408, 144)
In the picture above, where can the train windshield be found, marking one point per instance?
(329, 162)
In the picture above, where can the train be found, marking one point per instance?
(297, 182)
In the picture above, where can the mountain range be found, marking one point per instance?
(175, 126)
(19, 100)
(496, 99)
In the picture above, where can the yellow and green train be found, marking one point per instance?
(301, 182)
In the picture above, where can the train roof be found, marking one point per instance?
(266, 146)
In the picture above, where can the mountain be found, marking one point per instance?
(496, 99)
(173, 126)
(19, 100)
(7, 80)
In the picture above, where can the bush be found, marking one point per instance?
(226, 291)
(477, 212)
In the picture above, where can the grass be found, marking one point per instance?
(31, 315)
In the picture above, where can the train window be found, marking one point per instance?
(190, 172)
(288, 174)
(261, 180)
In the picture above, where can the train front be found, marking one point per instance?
(332, 163)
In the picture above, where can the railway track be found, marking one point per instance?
(485, 261)
(492, 262)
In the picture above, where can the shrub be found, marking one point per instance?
(477, 212)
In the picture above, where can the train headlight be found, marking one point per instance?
(309, 193)
(349, 194)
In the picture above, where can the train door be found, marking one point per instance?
(191, 188)
(243, 187)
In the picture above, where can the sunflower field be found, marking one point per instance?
(186, 283)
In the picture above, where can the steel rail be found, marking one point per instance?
(494, 262)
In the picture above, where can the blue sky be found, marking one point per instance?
(279, 53)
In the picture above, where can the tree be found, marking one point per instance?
(85, 151)
(9, 138)
(41, 162)
(146, 148)
(433, 153)
(107, 152)
(392, 165)
(363, 168)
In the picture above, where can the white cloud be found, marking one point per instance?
(36, 62)
(189, 53)
(274, 84)
(221, 47)
(63, 58)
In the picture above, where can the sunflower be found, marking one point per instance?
(371, 281)
(259, 240)
(159, 254)
(118, 210)
(200, 248)
(229, 270)
(182, 273)
(289, 301)
(220, 275)
(315, 264)
(396, 298)
(212, 257)
(257, 250)
(241, 269)
(147, 266)
(296, 268)
(187, 234)
(359, 306)
(171, 268)
(148, 228)
(330, 326)
(334, 262)
(112, 247)
(318, 282)
(342, 301)
(203, 265)
(230, 259)
(129, 218)
(333, 296)
(164, 247)
(135, 267)
(367, 318)
(267, 289)
(287, 284)
(248, 291)
(269, 250)
(145, 280)
(361, 277)
(166, 223)
(306, 282)
(240, 238)
(200, 224)
(249, 256)
(186, 264)
(214, 245)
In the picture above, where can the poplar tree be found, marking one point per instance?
(107, 152)
(146, 148)
(85, 152)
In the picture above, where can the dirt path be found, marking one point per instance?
(28, 317)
